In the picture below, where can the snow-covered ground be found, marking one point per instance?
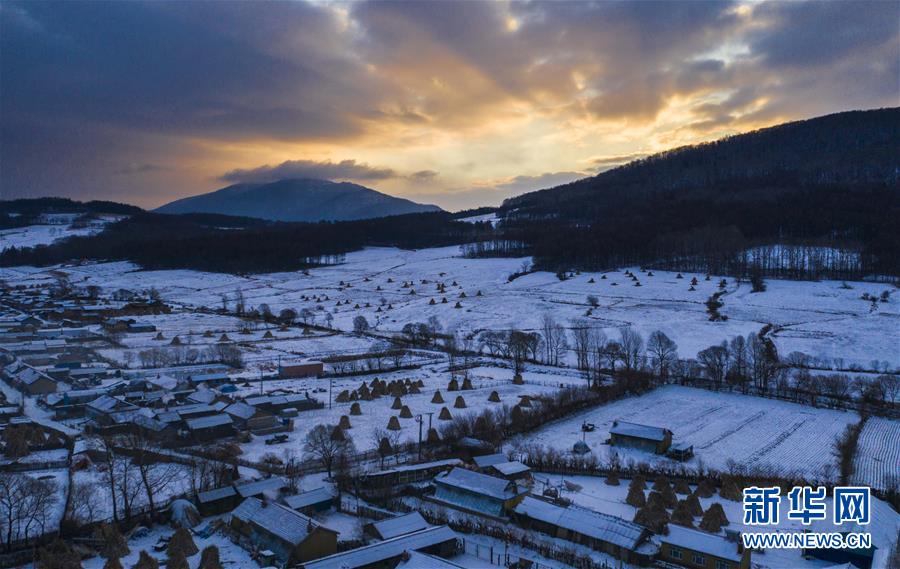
(823, 319)
(592, 492)
(724, 428)
(33, 235)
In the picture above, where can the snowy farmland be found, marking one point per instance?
(878, 455)
(826, 320)
(755, 433)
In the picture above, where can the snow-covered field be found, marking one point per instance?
(33, 235)
(823, 319)
(592, 492)
(377, 412)
(752, 432)
(878, 454)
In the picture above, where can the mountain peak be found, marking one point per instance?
(298, 199)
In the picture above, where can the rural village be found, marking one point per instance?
(421, 409)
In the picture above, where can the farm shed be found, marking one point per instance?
(291, 536)
(208, 379)
(601, 532)
(397, 526)
(643, 437)
(319, 500)
(265, 488)
(476, 492)
(295, 369)
(693, 548)
(389, 481)
(248, 417)
(210, 428)
(33, 382)
(439, 540)
(217, 501)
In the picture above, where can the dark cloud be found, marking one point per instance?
(522, 184)
(92, 90)
(327, 170)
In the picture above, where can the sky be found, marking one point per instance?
(460, 104)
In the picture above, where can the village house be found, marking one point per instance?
(478, 493)
(643, 437)
(290, 535)
(389, 482)
(320, 499)
(498, 465)
(209, 428)
(602, 532)
(400, 525)
(697, 549)
(33, 382)
(250, 418)
(107, 410)
(438, 540)
(296, 369)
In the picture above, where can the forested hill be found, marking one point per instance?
(827, 182)
(851, 148)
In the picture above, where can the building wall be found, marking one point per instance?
(709, 561)
(319, 544)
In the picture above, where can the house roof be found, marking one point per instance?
(217, 494)
(604, 527)
(109, 404)
(305, 499)
(510, 468)
(401, 525)
(383, 550)
(701, 541)
(258, 487)
(208, 422)
(241, 410)
(416, 560)
(477, 483)
(626, 429)
(280, 521)
(489, 460)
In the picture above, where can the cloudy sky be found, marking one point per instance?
(459, 104)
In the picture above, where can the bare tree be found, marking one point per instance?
(632, 348)
(321, 444)
(663, 351)
(155, 475)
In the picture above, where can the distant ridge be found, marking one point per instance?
(303, 199)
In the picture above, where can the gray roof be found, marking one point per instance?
(284, 523)
(626, 429)
(109, 404)
(208, 422)
(477, 483)
(401, 525)
(383, 550)
(604, 527)
(216, 494)
(257, 487)
(510, 468)
(701, 541)
(304, 499)
(241, 410)
(489, 460)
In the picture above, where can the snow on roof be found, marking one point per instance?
(202, 396)
(108, 404)
(257, 487)
(418, 560)
(701, 541)
(305, 499)
(401, 525)
(477, 483)
(510, 468)
(603, 527)
(627, 429)
(216, 494)
(280, 521)
(208, 422)
(383, 550)
(241, 410)
(419, 466)
(489, 460)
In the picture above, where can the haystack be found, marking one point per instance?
(393, 423)
(460, 402)
(438, 398)
(445, 414)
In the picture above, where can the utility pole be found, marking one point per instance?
(420, 420)
(330, 384)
